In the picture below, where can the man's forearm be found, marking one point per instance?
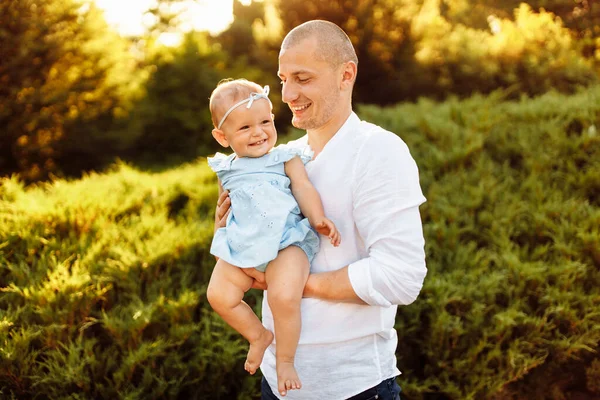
(334, 286)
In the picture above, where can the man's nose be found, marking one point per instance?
(289, 92)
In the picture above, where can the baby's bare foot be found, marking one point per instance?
(257, 351)
(287, 377)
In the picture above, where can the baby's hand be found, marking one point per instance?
(326, 227)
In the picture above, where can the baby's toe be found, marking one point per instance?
(282, 388)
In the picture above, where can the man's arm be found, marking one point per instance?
(334, 286)
(386, 196)
(223, 208)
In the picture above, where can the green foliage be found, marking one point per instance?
(380, 32)
(172, 123)
(582, 18)
(60, 69)
(173, 119)
(254, 38)
(510, 305)
(532, 54)
(103, 285)
(435, 48)
(103, 279)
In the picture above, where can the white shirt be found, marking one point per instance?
(369, 186)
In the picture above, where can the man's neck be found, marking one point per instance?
(318, 138)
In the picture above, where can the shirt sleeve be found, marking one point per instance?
(386, 199)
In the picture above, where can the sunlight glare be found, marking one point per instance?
(170, 39)
(130, 17)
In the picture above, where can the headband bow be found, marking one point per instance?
(253, 96)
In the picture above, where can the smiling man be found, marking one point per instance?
(369, 185)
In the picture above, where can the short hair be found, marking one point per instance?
(334, 46)
(228, 92)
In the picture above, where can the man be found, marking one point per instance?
(369, 186)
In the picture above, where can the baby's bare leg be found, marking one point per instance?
(286, 277)
(225, 294)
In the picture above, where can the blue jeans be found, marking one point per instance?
(386, 390)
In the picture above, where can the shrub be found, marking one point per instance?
(509, 306)
(103, 286)
(103, 279)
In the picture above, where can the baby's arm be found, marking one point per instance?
(309, 200)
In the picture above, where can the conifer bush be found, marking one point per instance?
(103, 279)
(512, 227)
(103, 286)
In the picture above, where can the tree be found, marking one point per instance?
(581, 17)
(61, 71)
(254, 37)
(412, 48)
(380, 32)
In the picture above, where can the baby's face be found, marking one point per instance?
(251, 131)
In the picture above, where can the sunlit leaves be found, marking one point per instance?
(61, 67)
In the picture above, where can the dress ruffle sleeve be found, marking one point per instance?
(284, 153)
(220, 162)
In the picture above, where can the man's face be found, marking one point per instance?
(310, 86)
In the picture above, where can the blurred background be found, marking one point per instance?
(84, 82)
(107, 203)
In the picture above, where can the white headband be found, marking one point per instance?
(253, 96)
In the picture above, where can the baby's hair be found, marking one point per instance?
(228, 92)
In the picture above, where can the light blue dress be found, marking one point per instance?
(265, 217)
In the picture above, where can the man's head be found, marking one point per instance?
(317, 67)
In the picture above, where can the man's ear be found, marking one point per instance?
(349, 71)
(220, 137)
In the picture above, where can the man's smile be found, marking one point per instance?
(300, 108)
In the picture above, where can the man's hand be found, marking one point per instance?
(259, 281)
(223, 210)
(326, 227)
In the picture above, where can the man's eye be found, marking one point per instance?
(303, 80)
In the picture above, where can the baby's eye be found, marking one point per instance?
(266, 121)
(244, 127)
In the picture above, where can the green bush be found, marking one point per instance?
(103, 286)
(512, 225)
(103, 279)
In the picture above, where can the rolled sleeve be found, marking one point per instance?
(386, 199)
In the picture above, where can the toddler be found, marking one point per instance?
(269, 192)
